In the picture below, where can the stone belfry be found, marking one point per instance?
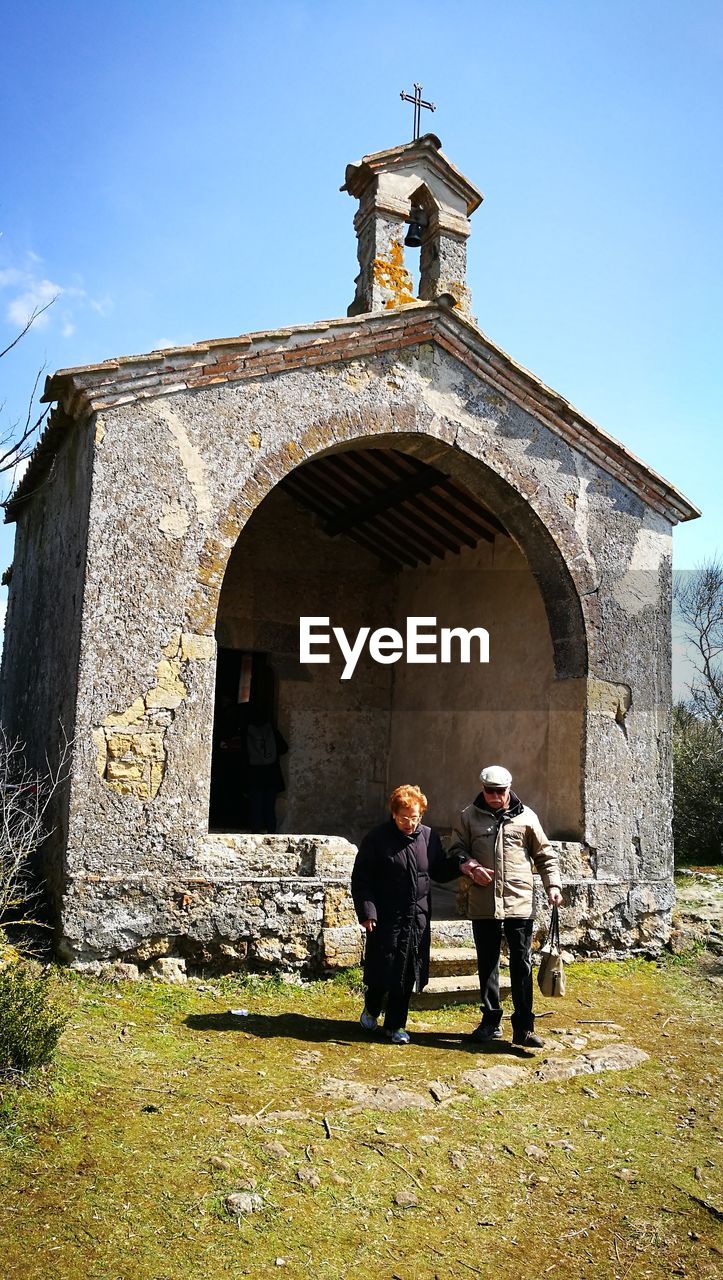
(413, 187)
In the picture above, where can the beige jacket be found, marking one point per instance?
(512, 849)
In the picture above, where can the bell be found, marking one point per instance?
(417, 223)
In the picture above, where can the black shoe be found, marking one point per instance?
(485, 1032)
(527, 1040)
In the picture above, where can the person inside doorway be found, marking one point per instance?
(262, 779)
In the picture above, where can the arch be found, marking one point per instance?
(560, 605)
(558, 558)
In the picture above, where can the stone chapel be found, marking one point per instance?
(185, 509)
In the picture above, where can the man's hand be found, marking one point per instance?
(554, 897)
(369, 925)
(473, 870)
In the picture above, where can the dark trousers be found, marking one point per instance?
(487, 940)
(262, 809)
(395, 1018)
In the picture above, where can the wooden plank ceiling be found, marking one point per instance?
(402, 509)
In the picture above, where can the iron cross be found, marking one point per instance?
(418, 104)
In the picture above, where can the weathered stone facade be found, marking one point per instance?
(135, 507)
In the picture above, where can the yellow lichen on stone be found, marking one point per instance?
(169, 691)
(131, 715)
(196, 648)
(393, 276)
(254, 439)
(134, 762)
(607, 699)
(118, 744)
(124, 771)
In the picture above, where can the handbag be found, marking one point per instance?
(551, 973)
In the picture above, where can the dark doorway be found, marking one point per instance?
(245, 702)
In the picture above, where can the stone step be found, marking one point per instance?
(450, 962)
(455, 990)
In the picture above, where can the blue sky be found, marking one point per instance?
(171, 172)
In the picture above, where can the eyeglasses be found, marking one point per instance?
(493, 791)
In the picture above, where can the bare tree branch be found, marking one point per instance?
(25, 797)
(18, 440)
(38, 311)
(700, 603)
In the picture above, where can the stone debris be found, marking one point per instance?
(240, 1202)
(568, 1040)
(535, 1152)
(220, 1163)
(386, 1097)
(169, 969)
(406, 1199)
(457, 1159)
(615, 1057)
(440, 1090)
(308, 1176)
(488, 1079)
(277, 1150)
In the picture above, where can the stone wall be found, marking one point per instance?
(41, 648)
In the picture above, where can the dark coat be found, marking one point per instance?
(391, 883)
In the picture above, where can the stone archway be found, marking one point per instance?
(349, 741)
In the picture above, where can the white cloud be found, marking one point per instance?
(11, 276)
(32, 290)
(31, 301)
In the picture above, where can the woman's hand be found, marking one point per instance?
(369, 925)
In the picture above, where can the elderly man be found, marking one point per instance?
(498, 841)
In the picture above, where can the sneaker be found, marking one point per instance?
(399, 1037)
(527, 1040)
(367, 1021)
(485, 1032)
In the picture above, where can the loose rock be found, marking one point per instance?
(488, 1079)
(239, 1202)
(406, 1199)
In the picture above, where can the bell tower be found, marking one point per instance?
(410, 195)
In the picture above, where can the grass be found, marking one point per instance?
(117, 1165)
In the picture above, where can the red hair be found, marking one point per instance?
(406, 796)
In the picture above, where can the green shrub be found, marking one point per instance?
(697, 788)
(30, 1023)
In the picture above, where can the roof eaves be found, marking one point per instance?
(89, 388)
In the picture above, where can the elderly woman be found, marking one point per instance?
(391, 884)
